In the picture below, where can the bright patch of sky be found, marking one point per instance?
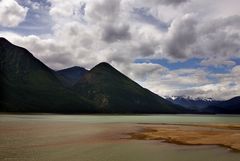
(191, 63)
(37, 20)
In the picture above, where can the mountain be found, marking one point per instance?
(71, 76)
(207, 105)
(115, 93)
(231, 106)
(27, 85)
(192, 103)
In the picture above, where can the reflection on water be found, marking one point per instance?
(98, 138)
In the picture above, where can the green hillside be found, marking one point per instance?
(114, 92)
(27, 85)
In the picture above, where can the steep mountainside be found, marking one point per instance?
(114, 92)
(71, 75)
(29, 85)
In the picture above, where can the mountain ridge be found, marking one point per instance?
(192, 102)
(231, 106)
(28, 85)
(107, 86)
(72, 75)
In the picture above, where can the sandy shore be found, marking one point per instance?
(226, 135)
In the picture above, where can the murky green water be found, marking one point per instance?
(84, 138)
(127, 118)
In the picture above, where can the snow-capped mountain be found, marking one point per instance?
(191, 102)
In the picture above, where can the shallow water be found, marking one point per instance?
(127, 118)
(100, 138)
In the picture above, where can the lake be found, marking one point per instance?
(102, 138)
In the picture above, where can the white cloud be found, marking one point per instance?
(86, 32)
(194, 82)
(11, 13)
(217, 62)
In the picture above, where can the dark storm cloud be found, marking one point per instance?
(173, 2)
(115, 33)
(180, 36)
(106, 14)
(169, 2)
(142, 14)
(146, 49)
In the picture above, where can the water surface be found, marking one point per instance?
(101, 138)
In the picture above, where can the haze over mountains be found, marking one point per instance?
(190, 102)
(27, 85)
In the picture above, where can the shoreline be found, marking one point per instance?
(223, 135)
(117, 114)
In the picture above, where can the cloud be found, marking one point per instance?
(221, 91)
(142, 72)
(169, 82)
(57, 8)
(216, 62)
(194, 82)
(226, 87)
(169, 2)
(11, 13)
(216, 41)
(36, 5)
(146, 49)
(103, 10)
(180, 37)
(116, 33)
(84, 33)
(160, 2)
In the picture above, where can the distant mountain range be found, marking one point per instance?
(207, 105)
(231, 106)
(190, 102)
(28, 85)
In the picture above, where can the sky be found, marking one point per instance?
(171, 47)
